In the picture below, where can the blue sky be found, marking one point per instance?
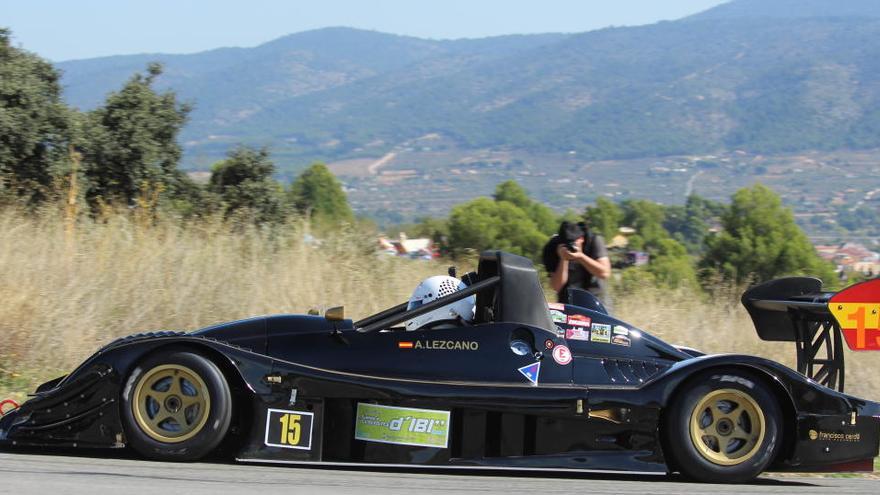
(63, 30)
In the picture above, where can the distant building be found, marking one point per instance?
(412, 248)
(621, 240)
(621, 257)
(851, 257)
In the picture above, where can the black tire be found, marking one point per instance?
(164, 425)
(738, 444)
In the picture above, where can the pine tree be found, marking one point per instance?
(245, 186)
(132, 144)
(317, 194)
(761, 241)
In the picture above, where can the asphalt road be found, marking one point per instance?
(25, 473)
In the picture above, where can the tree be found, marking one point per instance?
(318, 194)
(485, 224)
(543, 217)
(689, 224)
(671, 265)
(604, 218)
(35, 125)
(132, 144)
(437, 229)
(646, 217)
(761, 241)
(246, 188)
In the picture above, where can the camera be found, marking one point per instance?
(570, 232)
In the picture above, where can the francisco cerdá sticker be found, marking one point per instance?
(402, 425)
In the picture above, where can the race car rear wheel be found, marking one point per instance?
(176, 406)
(724, 429)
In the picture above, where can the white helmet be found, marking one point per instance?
(434, 288)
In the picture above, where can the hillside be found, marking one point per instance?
(622, 93)
(759, 76)
(229, 85)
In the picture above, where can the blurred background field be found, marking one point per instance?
(66, 289)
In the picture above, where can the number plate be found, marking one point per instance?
(289, 429)
(860, 323)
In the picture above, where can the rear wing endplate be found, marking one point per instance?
(796, 309)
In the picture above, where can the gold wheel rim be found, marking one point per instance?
(727, 427)
(171, 403)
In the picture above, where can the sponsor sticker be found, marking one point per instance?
(560, 330)
(557, 316)
(600, 332)
(577, 333)
(578, 320)
(548, 344)
(531, 372)
(621, 330)
(620, 340)
(402, 425)
(556, 306)
(289, 429)
(561, 355)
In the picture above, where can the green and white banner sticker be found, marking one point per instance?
(402, 425)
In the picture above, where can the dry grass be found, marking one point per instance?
(64, 292)
(62, 297)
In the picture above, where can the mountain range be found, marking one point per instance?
(762, 76)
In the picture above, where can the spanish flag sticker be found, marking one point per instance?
(857, 311)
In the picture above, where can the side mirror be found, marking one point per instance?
(335, 314)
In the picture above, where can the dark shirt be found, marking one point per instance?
(578, 276)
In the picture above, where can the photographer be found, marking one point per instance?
(576, 257)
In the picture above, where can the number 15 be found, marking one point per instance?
(290, 429)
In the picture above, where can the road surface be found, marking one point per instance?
(27, 473)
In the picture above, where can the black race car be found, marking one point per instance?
(525, 385)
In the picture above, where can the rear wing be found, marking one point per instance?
(796, 309)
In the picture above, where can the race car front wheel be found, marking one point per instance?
(176, 406)
(723, 429)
